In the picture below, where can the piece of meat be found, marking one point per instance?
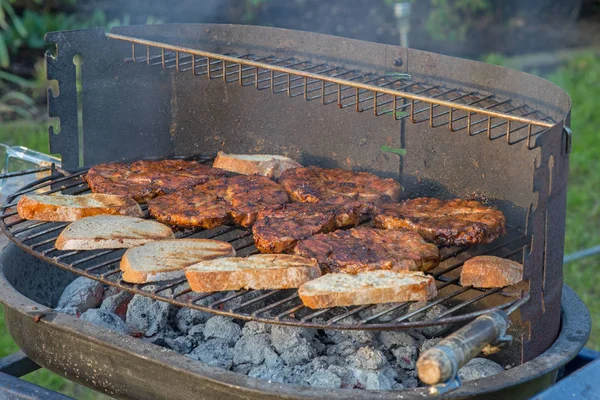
(235, 200)
(444, 222)
(356, 192)
(144, 180)
(363, 249)
(278, 229)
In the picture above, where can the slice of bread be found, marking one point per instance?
(368, 287)
(260, 271)
(166, 259)
(64, 207)
(271, 166)
(111, 232)
(490, 272)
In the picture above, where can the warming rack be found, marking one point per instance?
(271, 306)
(393, 94)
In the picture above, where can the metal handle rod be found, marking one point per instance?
(441, 363)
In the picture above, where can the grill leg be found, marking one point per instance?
(11, 387)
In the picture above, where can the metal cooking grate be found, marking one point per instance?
(392, 94)
(271, 306)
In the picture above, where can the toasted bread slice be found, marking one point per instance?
(490, 272)
(271, 166)
(111, 232)
(261, 271)
(166, 259)
(368, 287)
(64, 207)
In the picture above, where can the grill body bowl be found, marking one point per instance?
(126, 367)
(140, 109)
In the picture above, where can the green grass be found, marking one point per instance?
(580, 78)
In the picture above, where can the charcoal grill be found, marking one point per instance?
(468, 129)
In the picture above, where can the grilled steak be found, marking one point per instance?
(356, 192)
(227, 200)
(278, 229)
(144, 180)
(363, 249)
(444, 222)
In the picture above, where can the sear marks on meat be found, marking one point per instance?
(144, 180)
(444, 222)
(363, 249)
(278, 229)
(235, 200)
(355, 192)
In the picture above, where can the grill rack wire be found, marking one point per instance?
(390, 94)
(270, 306)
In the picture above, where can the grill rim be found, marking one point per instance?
(403, 322)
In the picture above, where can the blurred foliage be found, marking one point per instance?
(23, 24)
(450, 20)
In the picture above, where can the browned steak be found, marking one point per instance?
(355, 192)
(278, 229)
(234, 200)
(144, 180)
(362, 249)
(444, 222)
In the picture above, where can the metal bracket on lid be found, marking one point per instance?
(568, 138)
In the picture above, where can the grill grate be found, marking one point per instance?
(271, 306)
(392, 94)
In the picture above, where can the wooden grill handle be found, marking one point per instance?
(441, 363)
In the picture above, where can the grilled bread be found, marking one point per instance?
(444, 222)
(368, 287)
(271, 166)
(235, 200)
(63, 207)
(166, 259)
(362, 249)
(111, 232)
(144, 180)
(490, 272)
(261, 271)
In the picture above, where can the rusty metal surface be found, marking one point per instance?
(123, 366)
(133, 110)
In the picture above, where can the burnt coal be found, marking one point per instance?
(294, 355)
(80, 295)
(117, 303)
(479, 368)
(105, 319)
(146, 316)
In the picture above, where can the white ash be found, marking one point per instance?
(117, 303)
(479, 368)
(222, 328)
(186, 318)
(319, 358)
(216, 352)
(105, 319)
(146, 316)
(428, 343)
(251, 349)
(325, 379)
(430, 314)
(80, 295)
